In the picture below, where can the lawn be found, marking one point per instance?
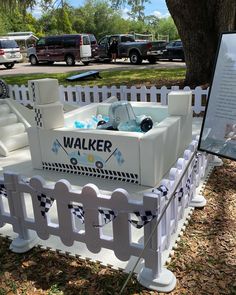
(137, 78)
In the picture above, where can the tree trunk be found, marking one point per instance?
(200, 23)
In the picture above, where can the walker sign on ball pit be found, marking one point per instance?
(135, 157)
(218, 134)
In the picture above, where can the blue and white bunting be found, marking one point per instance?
(161, 190)
(3, 191)
(143, 218)
(107, 216)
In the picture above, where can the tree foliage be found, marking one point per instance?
(95, 16)
(200, 24)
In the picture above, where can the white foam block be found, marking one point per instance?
(8, 119)
(186, 132)
(13, 129)
(35, 149)
(16, 141)
(158, 150)
(179, 103)
(151, 156)
(43, 91)
(49, 116)
(4, 109)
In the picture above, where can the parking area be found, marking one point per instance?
(61, 67)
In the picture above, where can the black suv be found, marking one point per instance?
(174, 50)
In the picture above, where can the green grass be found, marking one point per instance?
(146, 77)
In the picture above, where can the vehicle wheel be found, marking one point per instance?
(135, 58)
(4, 90)
(9, 66)
(70, 60)
(33, 60)
(86, 63)
(101, 122)
(99, 164)
(73, 161)
(152, 60)
(146, 124)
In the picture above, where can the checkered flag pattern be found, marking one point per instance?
(78, 211)
(161, 190)
(45, 203)
(179, 194)
(38, 117)
(33, 91)
(107, 216)
(119, 158)
(143, 218)
(188, 184)
(196, 163)
(3, 192)
(55, 147)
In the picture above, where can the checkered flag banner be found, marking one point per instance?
(107, 216)
(55, 147)
(196, 159)
(143, 218)
(161, 190)
(45, 203)
(3, 191)
(119, 158)
(78, 211)
(179, 194)
(188, 184)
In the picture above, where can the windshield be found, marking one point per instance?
(8, 44)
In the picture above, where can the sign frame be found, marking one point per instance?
(208, 102)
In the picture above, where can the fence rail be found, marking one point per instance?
(77, 215)
(83, 95)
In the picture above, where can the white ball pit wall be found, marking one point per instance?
(142, 158)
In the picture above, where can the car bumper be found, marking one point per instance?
(10, 58)
(154, 53)
(86, 59)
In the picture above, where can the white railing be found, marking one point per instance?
(14, 210)
(83, 95)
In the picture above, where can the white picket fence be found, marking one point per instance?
(14, 191)
(83, 95)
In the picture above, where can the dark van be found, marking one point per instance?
(68, 48)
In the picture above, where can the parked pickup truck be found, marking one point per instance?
(136, 51)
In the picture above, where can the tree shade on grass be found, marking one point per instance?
(148, 77)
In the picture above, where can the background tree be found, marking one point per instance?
(136, 7)
(199, 25)
(166, 26)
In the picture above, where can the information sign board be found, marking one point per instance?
(218, 133)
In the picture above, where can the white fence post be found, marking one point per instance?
(153, 275)
(25, 240)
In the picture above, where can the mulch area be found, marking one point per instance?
(204, 262)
